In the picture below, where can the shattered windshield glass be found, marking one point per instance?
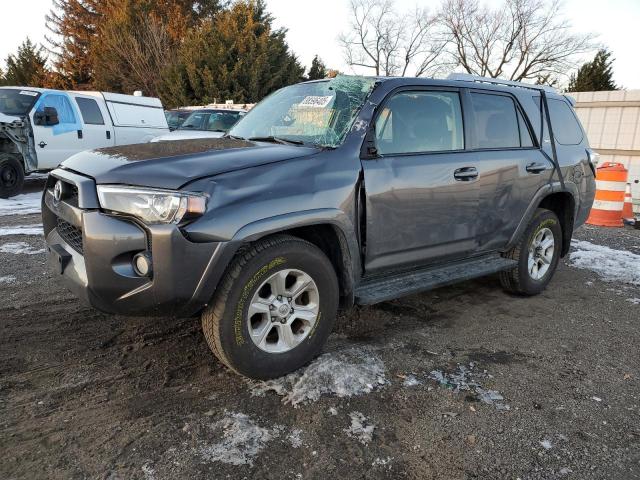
(17, 102)
(319, 113)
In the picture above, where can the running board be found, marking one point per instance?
(381, 289)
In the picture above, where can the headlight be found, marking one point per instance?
(152, 205)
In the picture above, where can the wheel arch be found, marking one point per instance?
(562, 202)
(327, 229)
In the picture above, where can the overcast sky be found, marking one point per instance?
(314, 25)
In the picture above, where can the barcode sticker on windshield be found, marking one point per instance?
(315, 101)
(27, 92)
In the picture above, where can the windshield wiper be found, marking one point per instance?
(234, 137)
(280, 140)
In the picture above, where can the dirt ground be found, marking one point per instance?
(463, 382)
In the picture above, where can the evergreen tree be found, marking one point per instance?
(595, 75)
(2, 79)
(237, 55)
(27, 67)
(73, 25)
(84, 31)
(318, 69)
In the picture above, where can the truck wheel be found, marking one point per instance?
(274, 309)
(537, 254)
(11, 176)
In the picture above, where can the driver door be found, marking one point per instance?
(422, 195)
(56, 143)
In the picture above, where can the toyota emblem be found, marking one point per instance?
(57, 191)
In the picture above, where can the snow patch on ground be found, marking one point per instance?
(381, 462)
(546, 444)
(343, 374)
(35, 229)
(7, 279)
(241, 440)
(634, 301)
(411, 381)
(21, 204)
(465, 378)
(361, 428)
(610, 264)
(295, 438)
(20, 248)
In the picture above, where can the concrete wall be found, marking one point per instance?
(612, 122)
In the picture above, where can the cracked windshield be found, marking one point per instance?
(318, 114)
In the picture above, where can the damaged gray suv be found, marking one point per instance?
(327, 194)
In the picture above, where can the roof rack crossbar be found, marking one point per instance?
(467, 77)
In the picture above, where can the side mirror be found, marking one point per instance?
(47, 117)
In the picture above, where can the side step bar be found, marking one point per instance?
(381, 289)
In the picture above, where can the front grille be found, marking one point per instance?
(70, 234)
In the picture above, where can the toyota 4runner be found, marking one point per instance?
(327, 194)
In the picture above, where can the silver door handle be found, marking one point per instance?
(42, 144)
(465, 174)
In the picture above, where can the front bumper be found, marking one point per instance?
(93, 253)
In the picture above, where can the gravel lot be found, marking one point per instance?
(463, 382)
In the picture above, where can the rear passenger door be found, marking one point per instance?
(511, 168)
(421, 189)
(96, 131)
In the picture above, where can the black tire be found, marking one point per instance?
(519, 280)
(11, 176)
(225, 322)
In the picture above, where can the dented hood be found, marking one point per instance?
(172, 164)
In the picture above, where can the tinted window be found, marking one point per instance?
(566, 128)
(61, 104)
(414, 122)
(90, 111)
(496, 121)
(525, 135)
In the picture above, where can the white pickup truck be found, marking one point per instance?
(39, 128)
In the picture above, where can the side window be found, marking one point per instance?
(90, 111)
(566, 128)
(61, 104)
(416, 122)
(525, 135)
(497, 124)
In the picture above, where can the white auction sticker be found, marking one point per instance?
(316, 101)
(27, 92)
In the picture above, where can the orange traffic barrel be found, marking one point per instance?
(611, 181)
(627, 208)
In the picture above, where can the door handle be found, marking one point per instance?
(42, 144)
(536, 167)
(465, 174)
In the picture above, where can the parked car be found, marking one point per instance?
(175, 117)
(40, 128)
(204, 123)
(327, 194)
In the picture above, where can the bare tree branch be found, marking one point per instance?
(523, 40)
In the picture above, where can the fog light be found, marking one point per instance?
(142, 264)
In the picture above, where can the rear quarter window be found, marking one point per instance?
(566, 128)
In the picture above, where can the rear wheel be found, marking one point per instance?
(11, 175)
(537, 254)
(274, 309)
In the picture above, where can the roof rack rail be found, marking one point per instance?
(467, 77)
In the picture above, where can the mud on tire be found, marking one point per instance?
(519, 280)
(226, 323)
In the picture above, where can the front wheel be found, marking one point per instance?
(537, 254)
(274, 309)
(11, 176)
